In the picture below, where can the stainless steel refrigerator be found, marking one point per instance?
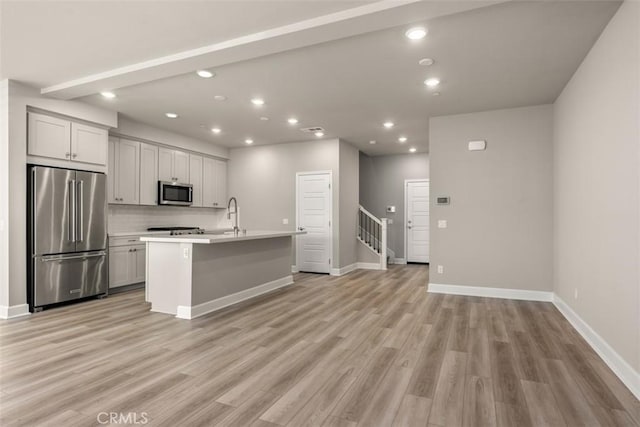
(67, 235)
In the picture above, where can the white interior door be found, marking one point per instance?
(313, 202)
(417, 209)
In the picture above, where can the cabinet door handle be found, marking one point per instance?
(67, 154)
(74, 155)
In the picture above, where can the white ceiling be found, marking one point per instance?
(501, 56)
(75, 38)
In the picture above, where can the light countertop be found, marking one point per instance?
(159, 233)
(220, 238)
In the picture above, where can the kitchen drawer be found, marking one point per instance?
(125, 241)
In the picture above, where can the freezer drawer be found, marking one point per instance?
(59, 278)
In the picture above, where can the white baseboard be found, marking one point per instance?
(617, 364)
(480, 291)
(9, 312)
(344, 270)
(185, 312)
(369, 266)
(399, 261)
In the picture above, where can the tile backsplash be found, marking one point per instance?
(123, 218)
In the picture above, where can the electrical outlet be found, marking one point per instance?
(440, 269)
(390, 221)
(285, 221)
(185, 253)
(575, 293)
(442, 223)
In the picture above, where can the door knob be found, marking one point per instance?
(409, 227)
(301, 228)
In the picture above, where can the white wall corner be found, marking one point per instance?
(481, 291)
(10, 312)
(614, 361)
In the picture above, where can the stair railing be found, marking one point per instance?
(372, 231)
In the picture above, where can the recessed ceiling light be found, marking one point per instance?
(220, 98)
(402, 139)
(388, 125)
(216, 130)
(319, 134)
(205, 74)
(416, 33)
(432, 82)
(426, 62)
(372, 142)
(257, 101)
(412, 149)
(264, 118)
(108, 95)
(171, 115)
(248, 141)
(292, 121)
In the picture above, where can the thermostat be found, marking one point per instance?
(391, 209)
(442, 200)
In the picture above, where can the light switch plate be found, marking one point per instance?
(390, 221)
(442, 223)
(285, 221)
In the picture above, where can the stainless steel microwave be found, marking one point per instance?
(173, 193)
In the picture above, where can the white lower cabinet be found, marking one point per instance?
(126, 262)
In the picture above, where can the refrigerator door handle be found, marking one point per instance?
(72, 210)
(80, 211)
(67, 257)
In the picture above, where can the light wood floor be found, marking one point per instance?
(369, 348)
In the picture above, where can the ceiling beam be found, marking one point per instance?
(359, 20)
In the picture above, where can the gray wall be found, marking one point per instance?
(500, 218)
(349, 202)
(382, 184)
(597, 189)
(263, 179)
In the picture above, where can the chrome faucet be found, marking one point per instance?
(236, 229)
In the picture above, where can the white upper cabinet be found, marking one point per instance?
(65, 140)
(221, 183)
(165, 164)
(148, 174)
(124, 171)
(209, 183)
(181, 166)
(88, 144)
(195, 178)
(214, 183)
(173, 165)
(49, 136)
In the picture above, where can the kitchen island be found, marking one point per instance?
(191, 275)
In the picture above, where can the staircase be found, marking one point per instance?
(372, 232)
